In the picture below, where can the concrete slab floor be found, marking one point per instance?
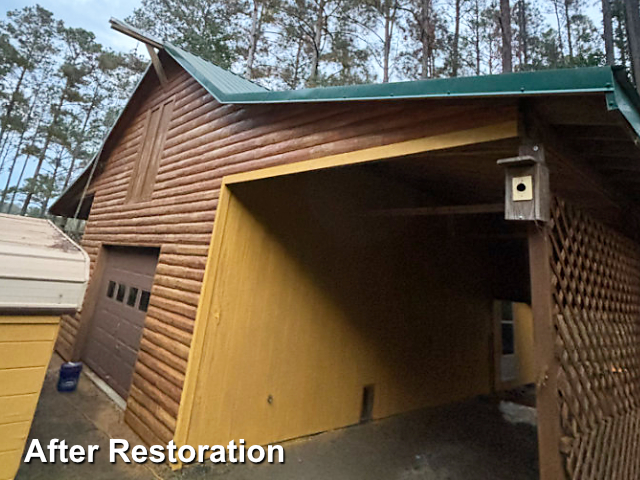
(470, 441)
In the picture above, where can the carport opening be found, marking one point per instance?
(368, 291)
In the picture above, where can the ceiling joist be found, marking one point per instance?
(441, 210)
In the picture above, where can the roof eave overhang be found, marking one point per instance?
(624, 98)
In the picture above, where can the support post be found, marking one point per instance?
(157, 65)
(546, 363)
(544, 332)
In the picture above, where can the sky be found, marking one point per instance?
(92, 15)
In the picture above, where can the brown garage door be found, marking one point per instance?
(121, 305)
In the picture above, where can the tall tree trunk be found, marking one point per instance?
(4, 159)
(45, 202)
(476, 40)
(3, 146)
(13, 195)
(455, 51)
(620, 37)
(10, 174)
(18, 147)
(607, 23)
(317, 40)
(505, 27)
(632, 13)
(253, 38)
(12, 103)
(387, 42)
(296, 68)
(36, 173)
(559, 23)
(45, 147)
(427, 33)
(78, 147)
(524, 34)
(567, 18)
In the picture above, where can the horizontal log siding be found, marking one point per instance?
(205, 141)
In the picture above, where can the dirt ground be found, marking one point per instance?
(465, 441)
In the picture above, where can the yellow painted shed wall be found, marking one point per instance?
(26, 344)
(313, 301)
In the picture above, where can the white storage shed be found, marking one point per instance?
(41, 269)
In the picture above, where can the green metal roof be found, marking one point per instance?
(578, 80)
(218, 81)
(611, 81)
(574, 80)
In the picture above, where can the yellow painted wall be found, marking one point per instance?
(26, 344)
(313, 301)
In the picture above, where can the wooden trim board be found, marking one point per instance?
(460, 138)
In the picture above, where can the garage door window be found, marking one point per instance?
(144, 301)
(133, 296)
(121, 291)
(111, 288)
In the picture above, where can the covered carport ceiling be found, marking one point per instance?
(600, 138)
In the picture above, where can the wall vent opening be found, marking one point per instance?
(366, 413)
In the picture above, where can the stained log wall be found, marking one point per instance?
(206, 141)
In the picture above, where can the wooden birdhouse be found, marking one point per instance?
(526, 187)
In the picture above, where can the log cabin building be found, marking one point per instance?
(267, 265)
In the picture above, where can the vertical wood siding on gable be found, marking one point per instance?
(146, 167)
(204, 142)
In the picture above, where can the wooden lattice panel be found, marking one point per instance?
(596, 289)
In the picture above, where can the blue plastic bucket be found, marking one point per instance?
(69, 376)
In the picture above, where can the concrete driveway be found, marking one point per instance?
(467, 441)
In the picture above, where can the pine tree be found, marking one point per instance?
(32, 31)
(202, 27)
(620, 38)
(607, 33)
(254, 19)
(567, 5)
(632, 13)
(319, 43)
(505, 28)
(423, 32)
(455, 43)
(379, 19)
(81, 52)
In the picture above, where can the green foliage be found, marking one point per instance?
(200, 26)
